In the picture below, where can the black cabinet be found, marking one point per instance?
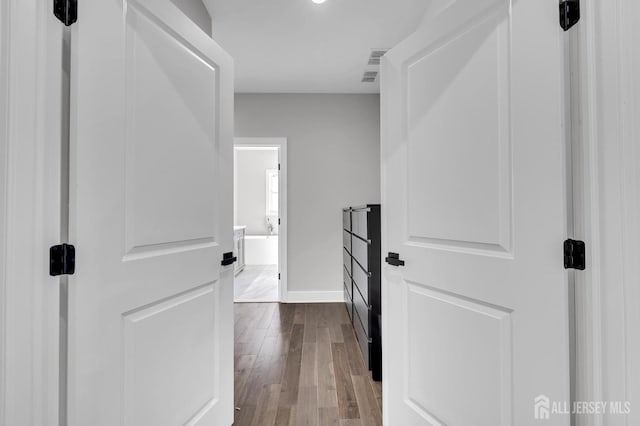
(362, 285)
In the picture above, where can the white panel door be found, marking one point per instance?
(150, 306)
(474, 201)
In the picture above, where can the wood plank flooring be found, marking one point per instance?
(300, 364)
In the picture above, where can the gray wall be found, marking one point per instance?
(250, 188)
(333, 160)
(197, 12)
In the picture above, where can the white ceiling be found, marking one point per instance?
(296, 46)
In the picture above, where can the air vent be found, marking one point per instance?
(376, 56)
(369, 76)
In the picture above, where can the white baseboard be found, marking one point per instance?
(314, 297)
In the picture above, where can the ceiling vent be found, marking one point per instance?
(369, 76)
(376, 56)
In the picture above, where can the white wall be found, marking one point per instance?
(250, 188)
(334, 161)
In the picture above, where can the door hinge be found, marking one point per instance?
(66, 11)
(278, 275)
(278, 221)
(62, 260)
(278, 166)
(569, 13)
(574, 255)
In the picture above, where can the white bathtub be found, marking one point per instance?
(261, 249)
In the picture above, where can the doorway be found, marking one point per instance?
(259, 213)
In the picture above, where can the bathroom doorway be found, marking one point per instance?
(259, 214)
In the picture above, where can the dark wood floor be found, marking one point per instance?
(300, 364)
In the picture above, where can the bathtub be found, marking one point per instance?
(261, 249)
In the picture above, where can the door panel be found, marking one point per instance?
(482, 381)
(178, 326)
(160, 72)
(150, 311)
(475, 324)
(467, 205)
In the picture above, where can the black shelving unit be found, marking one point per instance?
(362, 284)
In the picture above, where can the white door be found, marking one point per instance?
(150, 306)
(474, 201)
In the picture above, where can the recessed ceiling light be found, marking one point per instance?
(318, 1)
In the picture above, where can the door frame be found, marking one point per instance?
(606, 188)
(30, 157)
(281, 144)
(30, 75)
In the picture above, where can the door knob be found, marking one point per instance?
(394, 259)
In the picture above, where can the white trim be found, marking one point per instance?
(607, 200)
(281, 143)
(315, 297)
(586, 200)
(253, 147)
(269, 175)
(4, 139)
(30, 88)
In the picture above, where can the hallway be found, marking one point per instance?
(300, 364)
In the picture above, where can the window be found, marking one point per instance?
(272, 192)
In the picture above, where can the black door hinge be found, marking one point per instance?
(278, 166)
(62, 260)
(278, 221)
(569, 13)
(574, 255)
(278, 275)
(66, 11)
(228, 259)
